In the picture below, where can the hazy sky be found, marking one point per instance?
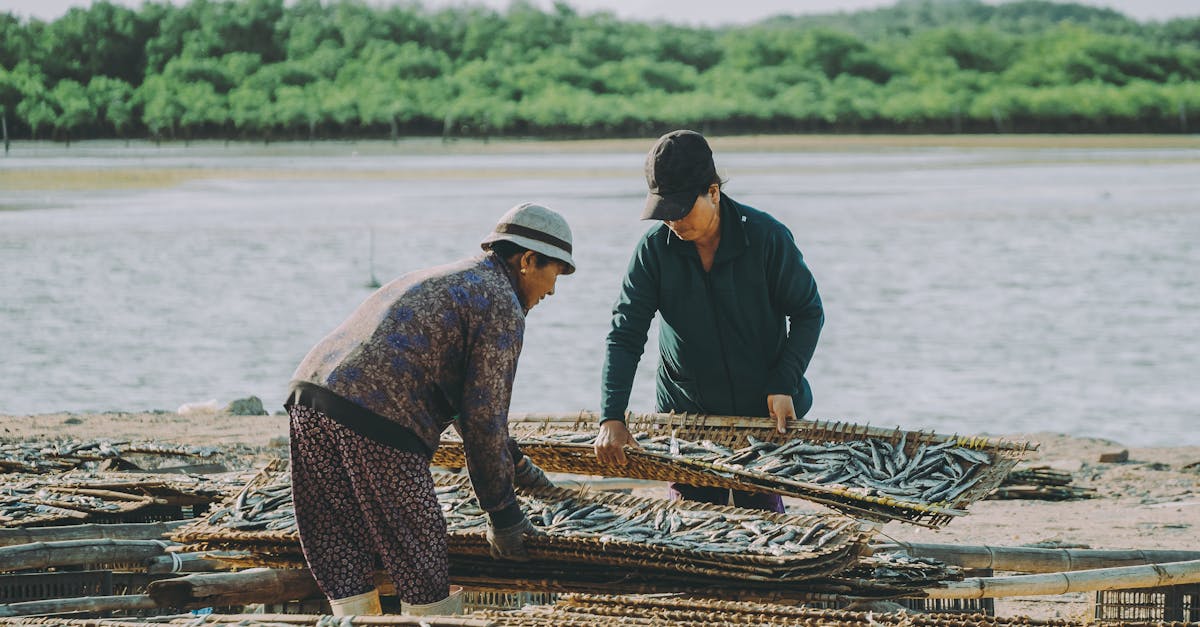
(684, 11)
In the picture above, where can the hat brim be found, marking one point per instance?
(548, 250)
(669, 206)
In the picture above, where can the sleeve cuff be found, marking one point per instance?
(778, 383)
(508, 516)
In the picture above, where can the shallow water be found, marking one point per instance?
(967, 289)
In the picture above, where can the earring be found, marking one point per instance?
(522, 270)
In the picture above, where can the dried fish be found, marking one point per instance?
(930, 474)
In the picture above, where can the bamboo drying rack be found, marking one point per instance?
(735, 432)
(848, 542)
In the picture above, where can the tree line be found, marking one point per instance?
(266, 70)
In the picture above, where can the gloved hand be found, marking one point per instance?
(508, 543)
(528, 475)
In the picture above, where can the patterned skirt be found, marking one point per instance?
(360, 503)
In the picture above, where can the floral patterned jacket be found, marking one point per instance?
(429, 346)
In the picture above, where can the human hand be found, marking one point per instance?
(782, 409)
(508, 543)
(610, 443)
(528, 475)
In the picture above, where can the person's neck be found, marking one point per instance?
(712, 236)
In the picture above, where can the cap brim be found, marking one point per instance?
(669, 206)
(552, 252)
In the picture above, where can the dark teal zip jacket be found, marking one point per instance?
(724, 340)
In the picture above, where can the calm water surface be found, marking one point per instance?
(970, 290)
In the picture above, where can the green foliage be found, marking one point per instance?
(112, 101)
(102, 40)
(308, 68)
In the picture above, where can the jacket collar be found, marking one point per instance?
(734, 240)
(489, 259)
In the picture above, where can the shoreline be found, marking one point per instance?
(540, 145)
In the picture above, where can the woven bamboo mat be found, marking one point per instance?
(823, 545)
(683, 611)
(535, 431)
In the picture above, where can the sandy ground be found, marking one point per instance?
(1151, 501)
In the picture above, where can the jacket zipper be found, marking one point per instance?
(712, 302)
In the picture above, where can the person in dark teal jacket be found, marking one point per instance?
(740, 310)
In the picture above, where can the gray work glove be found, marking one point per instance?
(528, 475)
(508, 543)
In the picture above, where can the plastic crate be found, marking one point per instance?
(494, 600)
(1165, 604)
(987, 607)
(68, 585)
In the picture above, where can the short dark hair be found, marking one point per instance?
(506, 249)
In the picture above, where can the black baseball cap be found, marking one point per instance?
(678, 169)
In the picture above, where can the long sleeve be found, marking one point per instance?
(632, 314)
(493, 346)
(794, 293)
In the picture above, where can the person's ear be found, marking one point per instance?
(528, 260)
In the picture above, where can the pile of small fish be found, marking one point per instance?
(259, 508)
(40, 456)
(899, 568)
(933, 473)
(20, 504)
(1040, 483)
(663, 526)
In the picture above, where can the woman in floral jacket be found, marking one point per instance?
(369, 402)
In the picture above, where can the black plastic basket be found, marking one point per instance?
(1163, 604)
(20, 587)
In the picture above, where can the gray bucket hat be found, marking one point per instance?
(537, 228)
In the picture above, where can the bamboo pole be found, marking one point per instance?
(400, 620)
(81, 604)
(1124, 578)
(126, 531)
(255, 585)
(200, 562)
(78, 552)
(1033, 560)
(766, 423)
